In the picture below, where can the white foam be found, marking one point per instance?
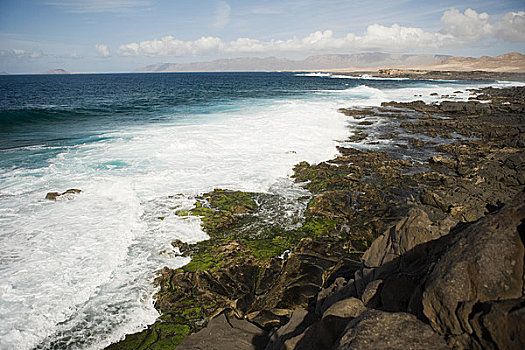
(363, 77)
(364, 95)
(316, 74)
(505, 83)
(76, 268)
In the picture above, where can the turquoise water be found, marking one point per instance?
(77, 273)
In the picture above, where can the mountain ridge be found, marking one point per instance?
(318, 62)
(510, 62)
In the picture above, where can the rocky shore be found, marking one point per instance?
(453, 75)
(417, 245)
(431, 74)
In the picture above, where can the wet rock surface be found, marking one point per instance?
(69, 194)
(420, 246)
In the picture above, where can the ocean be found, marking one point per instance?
(77, 273)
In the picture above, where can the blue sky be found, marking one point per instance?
(121, 35)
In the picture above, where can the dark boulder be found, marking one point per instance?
(300, 320)
(484, 263)
(495, 325)
(376, 329)
(413, 230)
(225, 333)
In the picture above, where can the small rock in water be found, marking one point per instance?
(177, 243)
(52, 195)
(68, 194)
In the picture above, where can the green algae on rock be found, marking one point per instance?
(159, 336)
(221, 209)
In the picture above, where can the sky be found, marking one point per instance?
(123, 35)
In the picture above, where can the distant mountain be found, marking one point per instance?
(320, 62)
(4, 73)
(56, 71)
(223, 65)
(510, 62)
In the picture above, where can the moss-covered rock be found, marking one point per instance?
(159, 336)
(357, 195)
(221, 209)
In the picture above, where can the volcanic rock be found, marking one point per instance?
(484, 263)
(224, 333)
(69, 194)
(376, 329)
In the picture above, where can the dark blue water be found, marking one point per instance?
(36, 109)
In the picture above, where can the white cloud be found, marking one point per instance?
(512, 27)
(246, 45)
(99, 6)
(18, 53)
(222, 14)
(459, 28)
(401, 38)
(466, 26)
(376, 37)
(169, 46)
(207, 44)
(73, 55)
(102, 50)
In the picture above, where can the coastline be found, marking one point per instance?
(359, 200)
(431, 74)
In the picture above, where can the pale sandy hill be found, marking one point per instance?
(510, 62)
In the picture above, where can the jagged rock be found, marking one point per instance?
(180, 246)
(300, 320)
(335, 320)
(376, 329)
(222, 279)
(308, 340)
(466, 107)
(337, 291)
(268, 319)
(484, 263)
(268, 275)
(304, 273)
(224, 333)
(52, 195)
(69, 194)
(496, 325)
(305, 331)
(346, 308)
(372, 294)
(409, 232)
(391, 254)
(441, 160)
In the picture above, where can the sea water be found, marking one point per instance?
(77, 273)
